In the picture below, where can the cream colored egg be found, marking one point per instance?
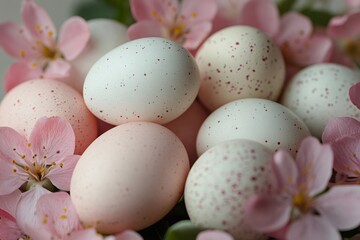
(129, 178)
(239, 62)
(321, 92)
(31, 100)
(220, 183)
(260, 120)
(106, 34)
(148, 79)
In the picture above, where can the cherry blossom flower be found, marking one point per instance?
(46, 157)
(8, 226)
(187, 23)
(353, 3)
(214, 235)
(343, 134)
(34, 45)
(298, 203)
(354, 94)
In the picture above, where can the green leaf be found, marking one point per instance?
(182, 230)
(318, 17)
(285, 6)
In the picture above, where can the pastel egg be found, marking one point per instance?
(220, 183)
(321, 92)
(97, 46)
(148, 79)
(239, 62)
(260, 120)
(31, 100)
(129, 178)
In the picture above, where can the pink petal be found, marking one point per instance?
(57, 213)
(261, 14)
(353, 3)
(8, 227)
(26, 216)
(57, 69)
(18, 73)
(354, 93)
(340, 127)
(267, 213)
(9, 181)
(8, 203)
(312, 227)
(198, 11)
(315, 162)
(38, 22)
(60, 174)
(285, 172)
(197, 35)
(346, 26)
(341, 206)
(54, 138)
(13, 40)
(213, 235)
(74, 35)
(144, 29)
(87, 234)
(159, 11)
(128, 235)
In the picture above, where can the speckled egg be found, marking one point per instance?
(220, 183)
(129, 178)
(187, 126)
(98, 45)
(239, 62)
(321, 92)
(31, 100)
(260, 120)
(148, 79)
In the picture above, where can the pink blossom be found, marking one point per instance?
(8, 226)
(354, 94)
(353, 3)
(214, 235)
(34, 45)
(46, 156)
(343, 134)
(187, 23)
(297, 202)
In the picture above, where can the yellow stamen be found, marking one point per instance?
(29, 144)
(50, 33)
(41, 170)
(194, 14)
(22, 53)
(14, 170)
(63, 216)
(44, 221)
(13, 161)
(177, 30)
(23, 156)
(37, 27)
(61, 165)
(153, 13)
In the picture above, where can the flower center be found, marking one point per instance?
(177, 31)
(302, 202)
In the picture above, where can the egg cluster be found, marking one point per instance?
(153, 122)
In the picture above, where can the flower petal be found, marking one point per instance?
(128, 235)
(315, 163)
(354, 93)
(341, 206)
(261, 14)
(339, 127)
(267, 213)
(9, 202)
(38, 22)
(18, 73)
(87, 234)
(74, 35)
(353, 3)
(197, 35)
(144, 29)
(13, 40)
(346, 26)
(60, 174)
(198, 11)
(159, 11)
(312, 227)
(285, 171)
(213, 235)
(9, 180)
(52, 139)
(57, 69)
(8, 227)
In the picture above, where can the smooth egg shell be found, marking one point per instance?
(31, 100)
(260, 120)
(239, 62)
(220, 183)
(129, 178)
(148, 79)
(321, 92)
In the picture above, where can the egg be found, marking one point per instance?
(97, 46)
(239, 62)
(129, 177)
(321, 92)
(260, 120)
(148, 79)
(220, 183)
(187, 126)
(31, 100)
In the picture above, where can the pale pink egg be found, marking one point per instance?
(187, 126)
(130, 177)
(31, 100)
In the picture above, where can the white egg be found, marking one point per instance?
(321, 92)
(260, 120)
(220, 183)
(239, 62)
(106, 34)
(148, 79)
